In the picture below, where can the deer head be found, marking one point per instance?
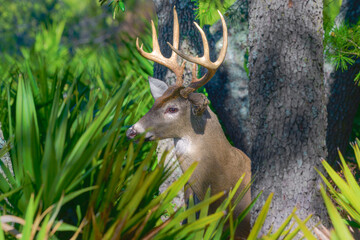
(175, 105)
(181, 113)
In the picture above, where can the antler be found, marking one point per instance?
(204, 60)
(156, 55)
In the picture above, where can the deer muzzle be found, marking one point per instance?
(131, 132)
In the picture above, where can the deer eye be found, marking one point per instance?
(171, 110)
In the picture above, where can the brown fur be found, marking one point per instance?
(195, 128)
(220, 165)
(200, 138)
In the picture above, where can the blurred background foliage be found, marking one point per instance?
(71, 83)
(78, 35)
(86, 22)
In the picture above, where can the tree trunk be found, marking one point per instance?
(6, 158)
(228, 89)
(344, 94)
(287, 106)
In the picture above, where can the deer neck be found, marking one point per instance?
(201, 141)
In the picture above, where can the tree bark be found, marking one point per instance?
(287, 106)
(344, 94)
(6, 158)
(228, 90)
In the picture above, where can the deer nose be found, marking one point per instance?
(131, 133)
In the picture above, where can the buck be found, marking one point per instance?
(182, 114)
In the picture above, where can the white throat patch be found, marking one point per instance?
(182, 145)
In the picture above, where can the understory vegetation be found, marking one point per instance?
(64, 111)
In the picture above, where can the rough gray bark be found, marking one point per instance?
(287, 106)
(231, 102)
(228, 89)
(344, 95)
(190, 42)
(342, 107)
(5, 159)
(167, 145)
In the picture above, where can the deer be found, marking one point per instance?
(182, 114)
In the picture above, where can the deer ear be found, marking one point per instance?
(200, 103)
(157, 87)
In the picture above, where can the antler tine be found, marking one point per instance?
(157, 56)
(205, 42)
(204, 60)
(156, 47)
(225, 41)
(176, 34)
(176, 40)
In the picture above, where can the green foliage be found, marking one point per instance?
(133, 210)
(64, 110)
(87, 22)
(261, 219)
(331, 9)
(59, 117)
(346, 194)
(66, 124)
(207, 14)
(246, 61)
(286, 231)
(340, 229)
(19, 19)
(37, 224)
(356, 127)
(206, 10)
(343, 46)
(116, 6)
